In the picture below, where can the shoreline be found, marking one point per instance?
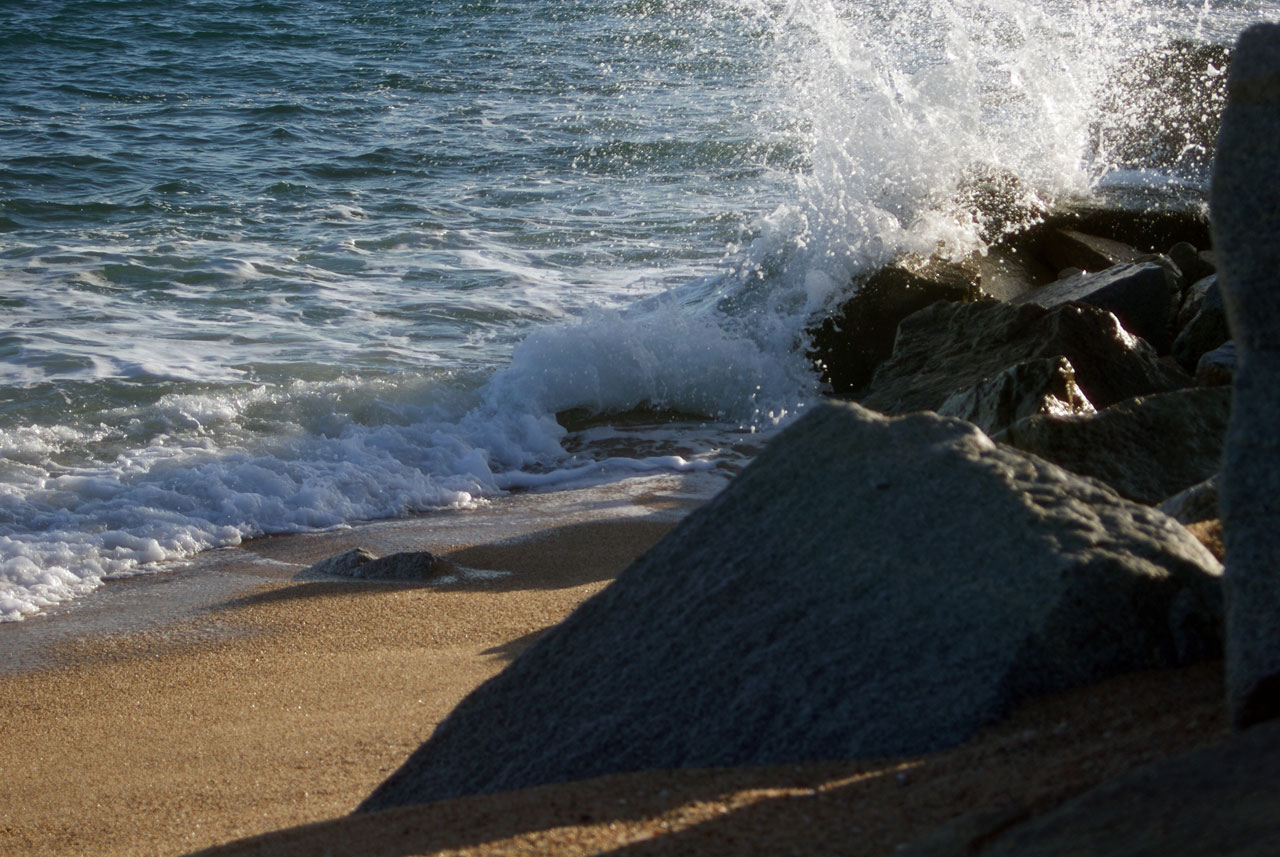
(267, 701)
(254, 725)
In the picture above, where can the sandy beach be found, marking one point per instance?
(275, 703)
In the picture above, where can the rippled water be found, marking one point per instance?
(283, 265)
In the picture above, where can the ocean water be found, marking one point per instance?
(284, 266)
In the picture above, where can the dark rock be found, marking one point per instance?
(1150, 228)
(1245, 200)
(1141, 296)
(848, 345)
(1195, 504)
(1219, 800)
(1191, 262)
(1007, 272)
(834, 603)
(1146, 448)
(1193, 298)
(1044, 386)
(343, 564)
(363, 565)
(1068, 248)
(1217, 367)
(950, 347)
(1205, 331)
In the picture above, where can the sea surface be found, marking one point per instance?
(284, 266)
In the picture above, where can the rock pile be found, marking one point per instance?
(867, 587)
(887, 583)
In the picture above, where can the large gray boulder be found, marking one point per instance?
(950, 347)
(1147, 448)
(1245, 207)
(866, 587)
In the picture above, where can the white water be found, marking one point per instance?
(897, 105)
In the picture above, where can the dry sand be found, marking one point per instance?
(286, 705)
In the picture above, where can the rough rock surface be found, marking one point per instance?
(1140, 294)
(950, 347)
(1218, 800)
(1195, 504)
(1044, 386)
(1205, 330)
(833, 603)
(360, 563)
(1245, 203)
(1147, 448)
(1193, 263)
(1217, 367)
(1069, 248)
(849, 345)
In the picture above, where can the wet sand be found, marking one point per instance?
(261, 701)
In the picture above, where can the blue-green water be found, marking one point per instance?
(282, 265)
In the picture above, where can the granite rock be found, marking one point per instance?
(1146, 448)
(848, 345)
(1195, 504)
(1193, 263)
(1245, 204)
(1043, 386)
(1205, 330)
(1140, 294)
(1217, 367)
(946, 348)
(1069, 248)
(361, 564)
(833, 603)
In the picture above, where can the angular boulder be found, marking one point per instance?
(1140, 294)
(1147, 448)
(1217, 367)
(1194, 264)
(1205, 330)
(1195, 504)
(946, 348)
(1069, 248)
(848, 345)
(834, 603)
(1245, 204)
(1044, 386)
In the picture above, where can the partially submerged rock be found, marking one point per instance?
(834, 603)
(946, 348)
(848, 345)
(1146, 448)
(363, 565)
